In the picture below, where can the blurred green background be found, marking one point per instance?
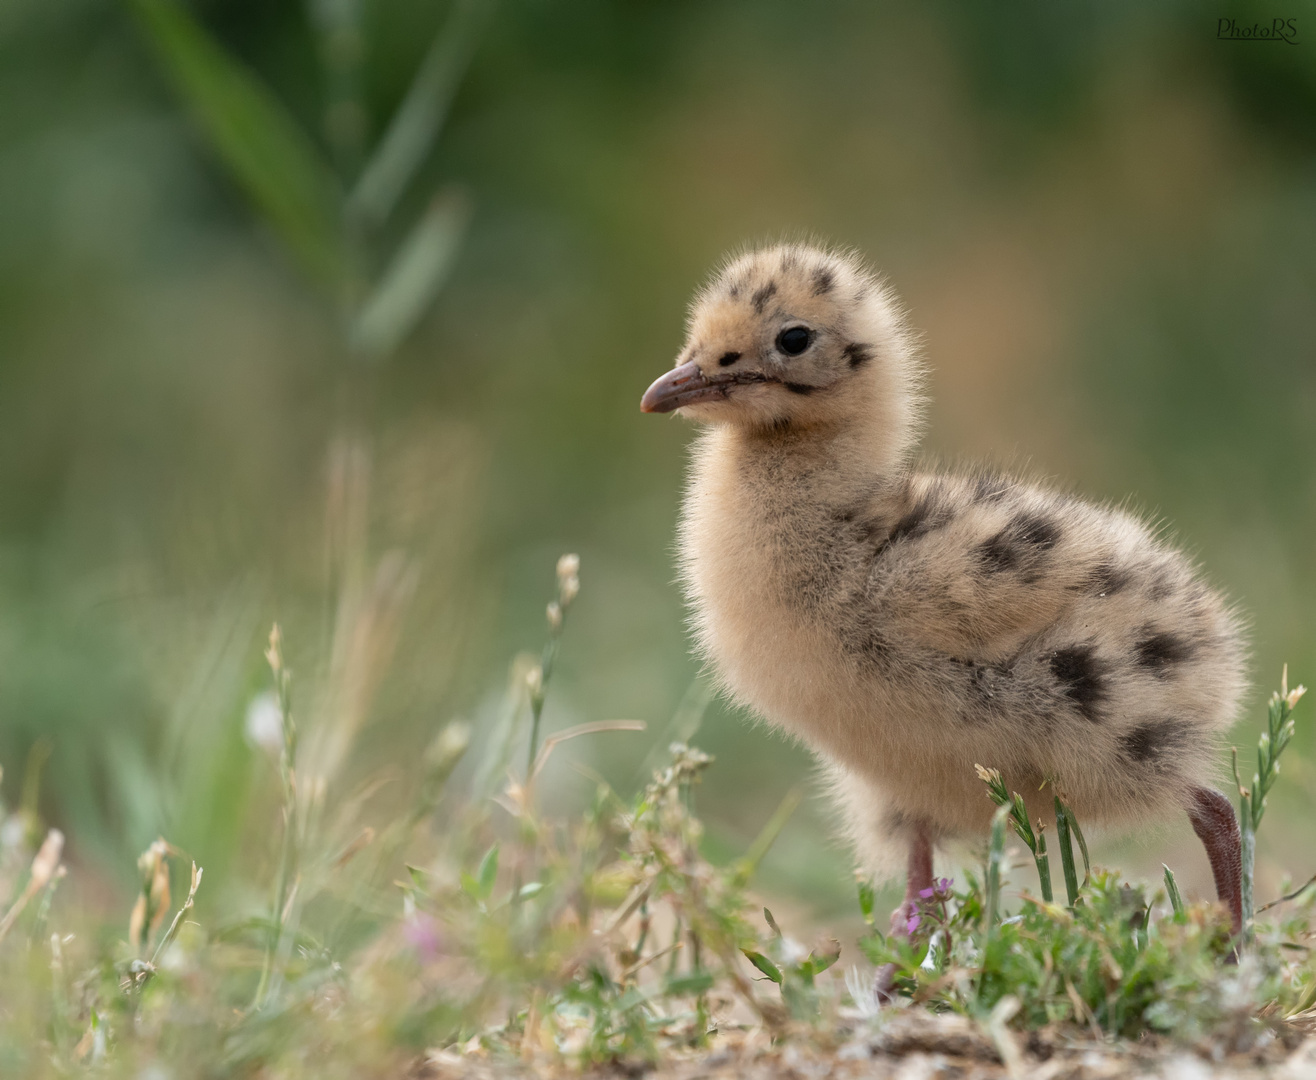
(1102, 218)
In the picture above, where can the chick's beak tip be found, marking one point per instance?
(683, 385)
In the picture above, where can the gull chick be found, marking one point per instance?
(907, 624)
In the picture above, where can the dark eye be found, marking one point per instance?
(794, 340)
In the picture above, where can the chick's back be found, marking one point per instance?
(1089, 650)
(950, 620)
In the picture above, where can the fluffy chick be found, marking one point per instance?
(908, 624)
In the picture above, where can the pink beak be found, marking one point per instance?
(684, 385)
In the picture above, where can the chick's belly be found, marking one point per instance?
(914, 765)
(780, 676)
(932, 778)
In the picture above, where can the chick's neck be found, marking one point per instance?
(832, 465)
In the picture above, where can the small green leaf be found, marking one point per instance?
(269, 156)
(470, 886)
(764, 965)
(772, 922)
(693, 982)
(488, 872)
(867, 899)
(529, 889)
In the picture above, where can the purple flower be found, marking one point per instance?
(913, 923)
(424, 934)
(926, 894)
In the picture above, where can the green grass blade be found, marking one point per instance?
(682, 728)
(413, 279)
(995, 857)
(746, 866)
(1172, 890)
(487, 873)
(992, 904)
(268, 155)
(692, 982)
(1248, 845)
(416, 125)
(1065, 841)
(1082, 844)
(1043, 862)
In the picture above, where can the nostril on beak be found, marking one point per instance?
(727, 359)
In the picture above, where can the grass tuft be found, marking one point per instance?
(469, 927)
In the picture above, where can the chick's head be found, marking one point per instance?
(793, 336)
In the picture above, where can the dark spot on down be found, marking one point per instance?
(1106, 579)
(1079, 672)
(859, 523)
(915, 523)
(1037, 531)
(762, 295)
(924, 516)
(727, 359)
(997, 553)
(1162, 584)
(823, 281)
(866, 641)
(1021, 542)
(1148, 743)
(802, 389)
(895, 820)
(876, 646)
(1159, 652)
(858, 354)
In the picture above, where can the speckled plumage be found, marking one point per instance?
(906, 624)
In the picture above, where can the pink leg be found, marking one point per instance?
(1215, 825)
(918, 877)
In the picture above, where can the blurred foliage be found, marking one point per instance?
(1101, 217)
(470, 928)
